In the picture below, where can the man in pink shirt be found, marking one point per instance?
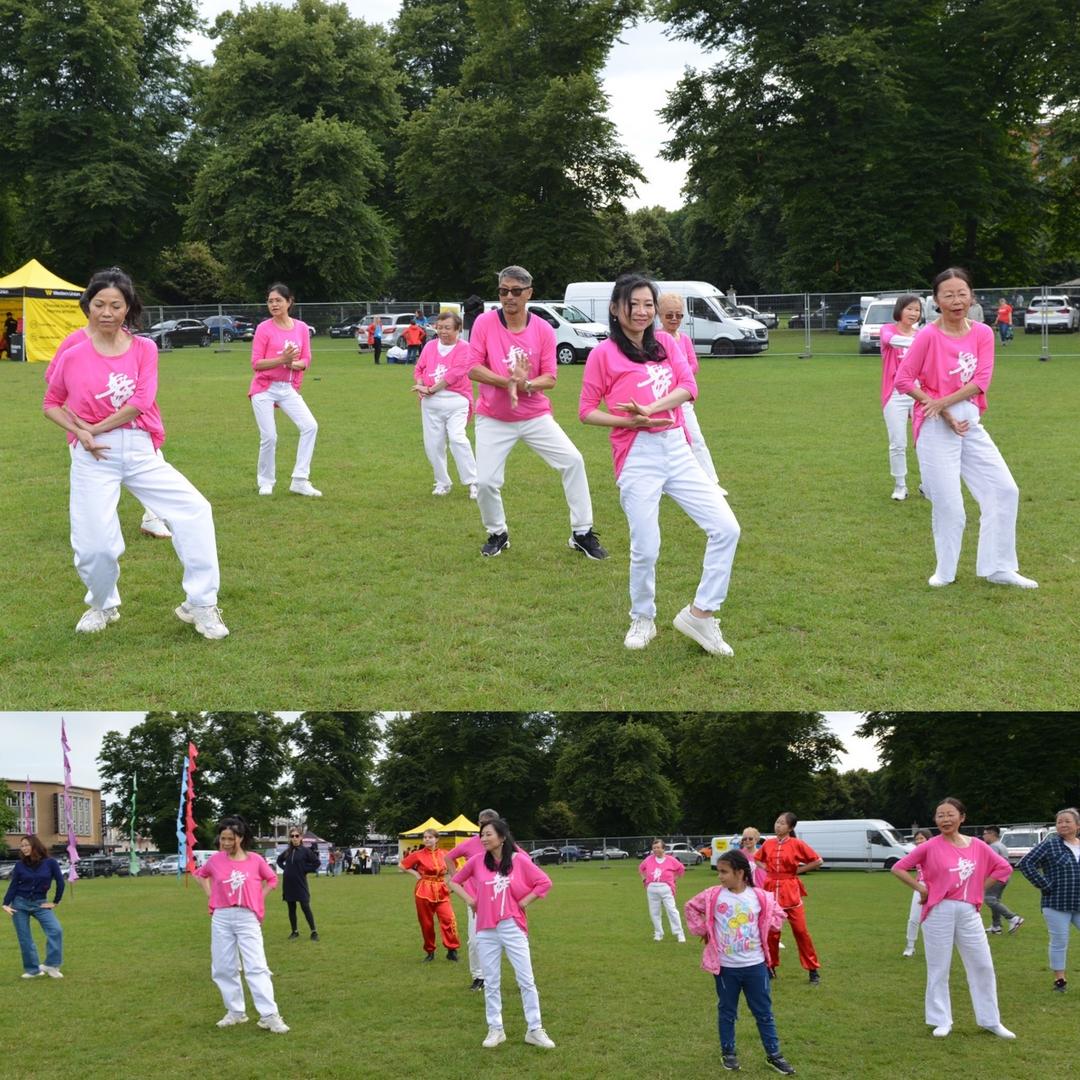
(512, 357)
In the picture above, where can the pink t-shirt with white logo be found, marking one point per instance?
(686, 343)
(493, 346)
(498, 897)
(955, 873)
(661, 872)
(891, 358)
(94, 387)
(611, 376)
(269, 341)
(453, 367)
(237, 882)
(942, 365)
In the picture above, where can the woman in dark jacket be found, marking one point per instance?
(298, 861)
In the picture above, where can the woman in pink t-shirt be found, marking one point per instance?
(915, 911)
(955, 870)
(280, 354)
(499, 885)
(660, 873)
(446, 400)
(103, 393)
(749, 842)
(643, 378)
(896, 337)
(236, 882)
(947, 370)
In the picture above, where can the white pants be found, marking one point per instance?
(697, 442)
(295, 408)
(944, 459)
(660, 896)
(507, 937)
(475, 967)
(444, 416)
(897, 413)
(953, 922)
(660, 464)
(494, 441)
(96, 538)
(913, 920)
(235, 934)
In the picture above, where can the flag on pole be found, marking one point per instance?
(69, 818)
(28, 798)
(133, 864)
(181, 836)
(189, 815)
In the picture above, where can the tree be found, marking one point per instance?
(8, 817)
(332, 771)
(295, 112)
(190, 273)
(556, 821)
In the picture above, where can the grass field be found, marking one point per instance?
(376, 595)
(137, 999)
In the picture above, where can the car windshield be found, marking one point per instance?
(879, 314)
(1021, 839)
(1048, 301)
(570, 313)
(723, 303)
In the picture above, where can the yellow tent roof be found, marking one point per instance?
(431, 823)
(34, 276)
(461, 824)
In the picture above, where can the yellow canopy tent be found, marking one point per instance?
(412, 838)
(458, 830)
(48, 306)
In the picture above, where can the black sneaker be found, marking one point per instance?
(778, 1062)
(314, 935)
(293, 936)
(477, 984)
(589, 544)
(496, 542)
(815, 977)
(451, 955)
(1059, 985)
(730, 1062)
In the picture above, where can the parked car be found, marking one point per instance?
(168, 865)
(95, 866)
(347, 327)
(877, 315)
(572, 853)
(768, 319)
(545, 856)
(1018, 842)
(610, 853)
(686, 854)
(1055, 312)
(392, 859)
(394, 328)
(854, 843)
(849, 320)
(230, 328)
(5, 869)
(820, 318)
(174, 333)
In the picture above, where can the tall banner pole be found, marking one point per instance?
(189, 815)
(69, 817)
(133, 863)
(181, 836)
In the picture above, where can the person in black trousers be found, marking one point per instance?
(298, 861)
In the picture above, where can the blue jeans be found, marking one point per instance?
(754, 983)
(25, 910)
(1058, 923)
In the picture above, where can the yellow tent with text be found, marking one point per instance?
(47, 305)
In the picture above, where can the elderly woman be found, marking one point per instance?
(103, 393)
(1053, 867)
(660, 874)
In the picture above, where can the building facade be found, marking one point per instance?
(47, 815)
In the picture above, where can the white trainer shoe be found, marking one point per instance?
(441, 489)
(641, 632)
(1015, 923)
(1011, 577)
(266, 489)
(472, 491)
(908, 952)
(94, 620)
(52, 972)
(153, 526)
(1001, 1031)
(899, 493)
(539, 1037)
(494, 1037)
(706, 632)
(39, 974)
(231, 1019)
(273, 1023)
(937, 582)
(205, 618)
(942, 1030)
(303, 487)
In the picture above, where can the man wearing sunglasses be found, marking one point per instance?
(512, 354)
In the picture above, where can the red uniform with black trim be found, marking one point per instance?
(781, 858)
(432, 897)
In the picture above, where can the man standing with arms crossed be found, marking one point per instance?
(513, 359)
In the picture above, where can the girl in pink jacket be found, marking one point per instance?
(735, 919)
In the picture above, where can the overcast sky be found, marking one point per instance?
(640, 72)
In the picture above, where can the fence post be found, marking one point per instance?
(220, 333)
(808, 350)
(1044, 353)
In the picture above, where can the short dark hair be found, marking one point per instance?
(737, 860)
(650, 348)
(114, 278)
(903, 301)
(992, 828)
(951, 272)
(956, 804)
(37, 850)
(282, 290)
(237, 825)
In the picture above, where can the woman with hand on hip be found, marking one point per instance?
(103, 394)
(659, 874)
(896, 338)
(503, 885)
(280, 354)
(431, 868)
(1053, 867)
(955, 870)
(947, 370)
(915, 911)
(296, 862)
(27, 898)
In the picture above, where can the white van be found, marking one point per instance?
(854, 843)
(711, 322)
(576, 335)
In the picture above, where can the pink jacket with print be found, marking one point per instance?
(701, 921)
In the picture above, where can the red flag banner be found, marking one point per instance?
(189, 816)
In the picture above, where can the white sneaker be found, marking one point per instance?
(1015, 923)
(33, 974)
(205, 618)
(1001, 1031)
(273, 1023)
(539, 1037)
(942, 1031)
(681, 940)
(706, 632)
(303, 487)
(1011, 577)
(52, 972)
(472, 491)
(937, 582)
(722, 489)
(899, 493)
(266, 489)
(153, 526)
(908, 952)
(441, 489)
(94, 620)
(658, 937)
(494, 1037)
(231, 1019)
(641, 632)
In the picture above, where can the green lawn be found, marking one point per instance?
(137, 999)
(376, 595)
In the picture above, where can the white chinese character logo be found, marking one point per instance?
(236, 883)
(965, 366)
(965, 868)
(657, 874)
(439, 372)
(658, 378)
(517, 361)
(500, 885)
(121, 387)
